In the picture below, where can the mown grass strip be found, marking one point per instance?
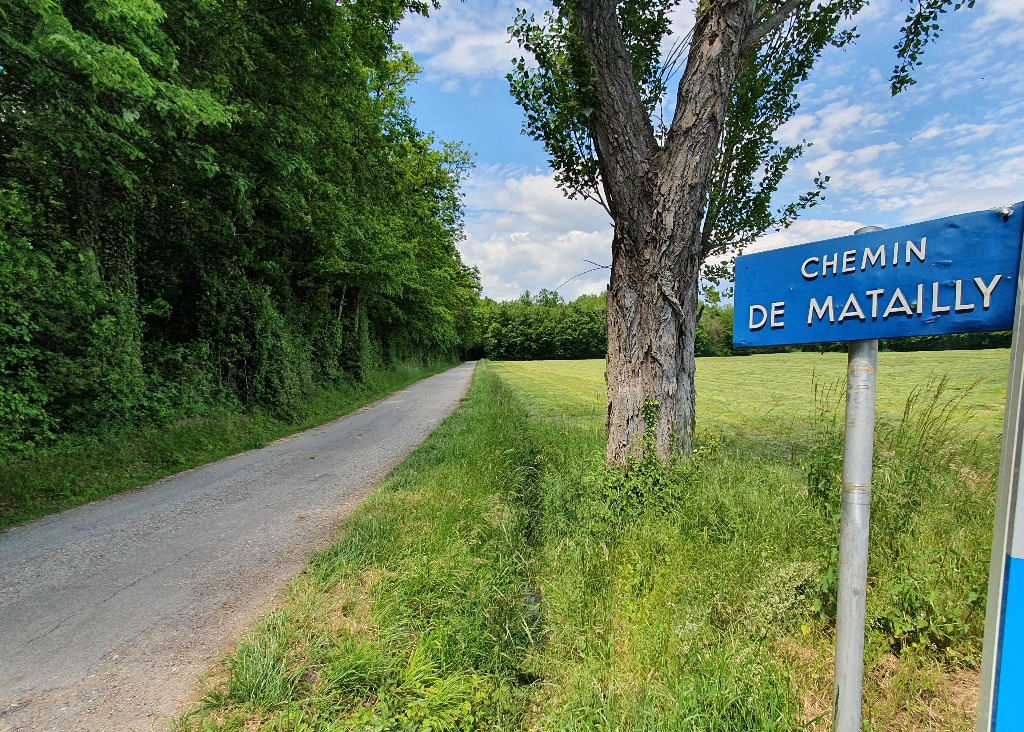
(87, 469)
(422, 615)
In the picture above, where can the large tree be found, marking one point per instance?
(688, 180)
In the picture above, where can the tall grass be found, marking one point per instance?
(931, 519)
(657, 580)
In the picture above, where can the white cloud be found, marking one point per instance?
(965, 134)
(834, 160)
(683, 17)
(511, 265)
(997, 12)
(931, 132)
(871, 152)
(831, 128)
(477, 55)
(525, 235)
(537, 199)
(796, 129)
(839, 120)
(463, 41)
(965, 183)
(886, 12)
(803, 231)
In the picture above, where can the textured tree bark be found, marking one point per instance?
(658, 196)
(650, 348)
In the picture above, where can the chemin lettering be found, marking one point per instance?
(846, 262)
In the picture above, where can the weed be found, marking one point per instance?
(930, 430)
(260, 677)
(824, 596)
(915, 610)
(780, 601)
(923, 614)
(823, 463)
(649, 486)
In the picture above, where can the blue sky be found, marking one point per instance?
(953, 143)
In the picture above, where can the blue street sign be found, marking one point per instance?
(952, 275)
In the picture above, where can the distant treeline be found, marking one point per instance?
(544, 326)
(714, 338)
(213, 204)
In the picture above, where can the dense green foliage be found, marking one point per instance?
(213, 204)
(544, 327)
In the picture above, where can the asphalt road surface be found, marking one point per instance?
(112, 612)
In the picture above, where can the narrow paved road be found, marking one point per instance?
(111, 612)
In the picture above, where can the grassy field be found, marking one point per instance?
(503, 579)
(729, 573)
(771, 391)
(89, 468)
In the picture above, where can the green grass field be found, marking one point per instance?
(503, 579)
(756, 392)
(740, 564)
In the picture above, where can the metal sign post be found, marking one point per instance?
(1001, 703)
(851, 607)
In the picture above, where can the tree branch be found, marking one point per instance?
(597, 198)
(620, 124)
(764, 27)
(703, 95)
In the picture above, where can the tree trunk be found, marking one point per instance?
(652, 300)
(658, 196)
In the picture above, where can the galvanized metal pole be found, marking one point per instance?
(858, 453)
(1008, 522)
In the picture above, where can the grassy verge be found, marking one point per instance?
(702, 596)
(503, 580)
(420, 617)
(84, 470)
